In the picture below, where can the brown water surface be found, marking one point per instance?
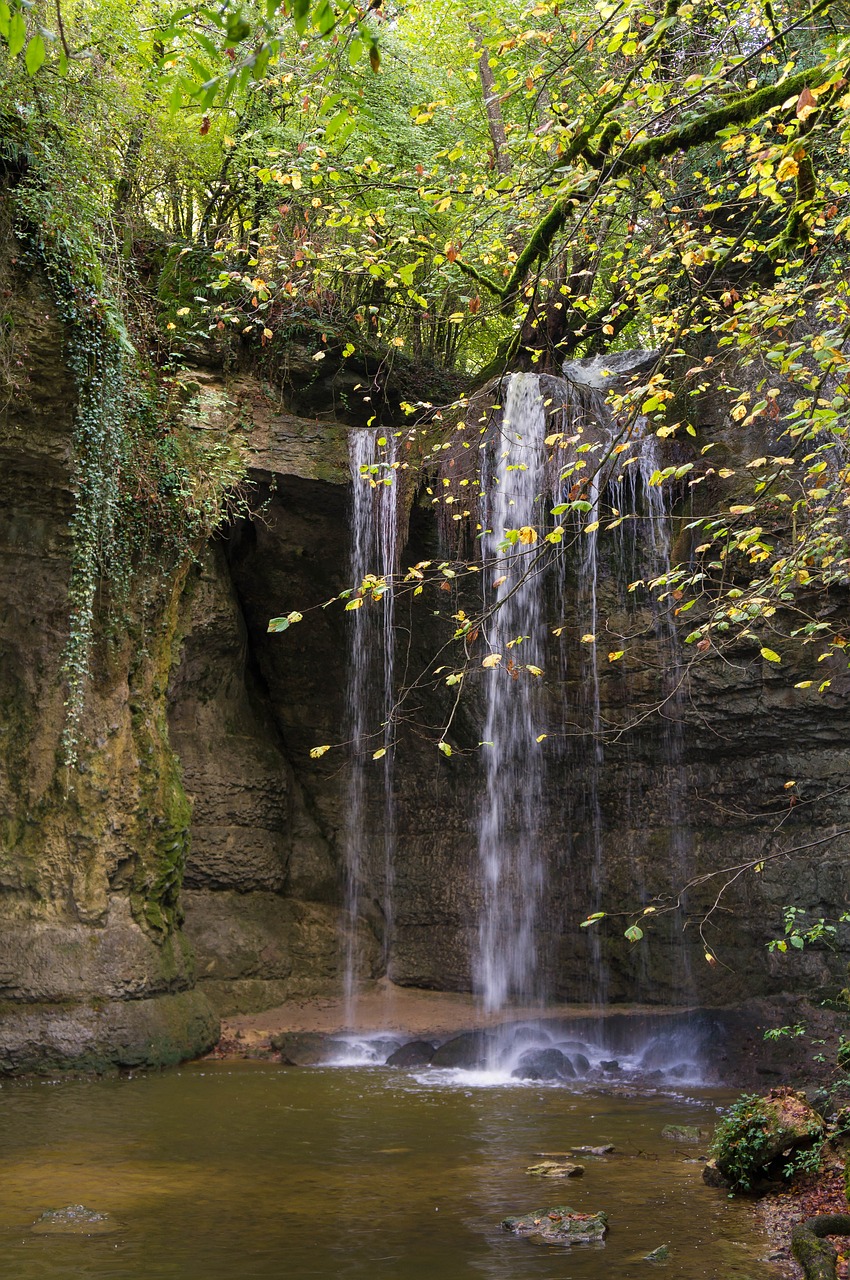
(258, 1171)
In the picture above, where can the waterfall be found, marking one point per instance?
(651, 559)
(510, 815)
(520, 482)
(370, 693)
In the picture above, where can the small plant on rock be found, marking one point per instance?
(742, 1141)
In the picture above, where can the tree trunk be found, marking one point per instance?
(495, 123)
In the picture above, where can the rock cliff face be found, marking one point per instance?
(192, 865)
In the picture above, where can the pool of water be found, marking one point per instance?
(218, 1171)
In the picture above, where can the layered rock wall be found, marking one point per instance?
(191, 865)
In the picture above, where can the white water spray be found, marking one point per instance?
(369, 694)
(511, 861)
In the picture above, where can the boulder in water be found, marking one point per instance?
(661, 1254)
(74, 1220)
(556, 1169)
(711, 1175)
(544, 1064)
(416, 1053)
(559, 1226)
(467, 1051)
(683, 1133)
(304, 1048)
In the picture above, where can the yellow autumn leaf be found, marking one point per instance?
(316, 752)
(588, 638)
(354, 604)
(615, 656)
(527, 535)
(492, 660)
(770, 655)
(787, 168)
(377, 755)
(534, 671)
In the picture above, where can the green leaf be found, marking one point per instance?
(633, 933)
(445, 748)
(17, 34)
(5, 18)
(278, 624)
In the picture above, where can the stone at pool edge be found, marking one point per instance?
(467, 1051)
(74, 1220)
(544, 1064)
(416, 1053)
(559, 1225)
(302, 1048)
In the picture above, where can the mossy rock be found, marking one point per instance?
(757, 1131)
(560, 1225)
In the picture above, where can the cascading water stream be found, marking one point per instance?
(506, 963)
(369, 692)
(652, 558)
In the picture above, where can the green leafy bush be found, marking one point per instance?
(742, 1141)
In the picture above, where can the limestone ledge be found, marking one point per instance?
(57, 961)
(156, 1032)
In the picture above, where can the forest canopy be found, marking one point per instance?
(482, 188)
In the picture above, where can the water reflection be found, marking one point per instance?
(256, 1171)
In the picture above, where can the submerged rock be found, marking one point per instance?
(467, 1051)
(556, 1169)
(544, 1064)
(661, 1254)
(560, 1225)
(683, 1133)
(74, 1220)
(606, 1149)
(416, 1053)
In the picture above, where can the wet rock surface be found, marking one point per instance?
(544, 1064)
(74, 1220)
(556, 1169)
(416, 1053)
(560, 1225)
(467, 1051)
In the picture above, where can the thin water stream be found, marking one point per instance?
(258, 1171)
